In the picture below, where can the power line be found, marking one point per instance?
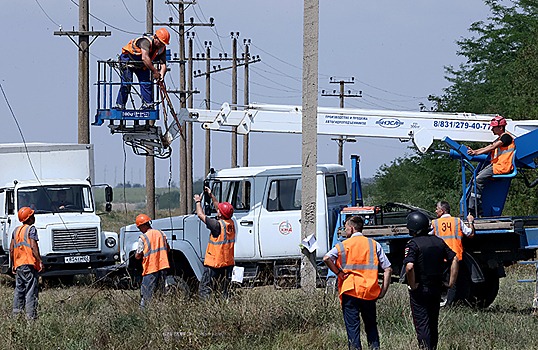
(45, 12)
(129, 12)
(107, 24)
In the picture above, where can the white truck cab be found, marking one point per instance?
(267, 214)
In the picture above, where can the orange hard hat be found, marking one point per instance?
(498, 121)
(25, 213)
(163, 35)
(226, 210)
(142, 219)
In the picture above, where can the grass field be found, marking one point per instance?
(95, 317)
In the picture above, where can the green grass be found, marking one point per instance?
(88, 317)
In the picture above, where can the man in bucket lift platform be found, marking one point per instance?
(137, 57)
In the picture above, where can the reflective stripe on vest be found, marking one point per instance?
(155, 252)
(357, 257)
(451, 234)
(502, 157)
(220, 250)
(22, 250)
(133, 49)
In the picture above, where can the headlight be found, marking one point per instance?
(110, 242)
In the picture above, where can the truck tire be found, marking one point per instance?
(482, 294)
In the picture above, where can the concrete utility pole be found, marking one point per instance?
(83, 45)
(150, 159)
(309, 138)
(208, 106)
(234, 96)
(342, 94)
(246, 101)
(183, 144)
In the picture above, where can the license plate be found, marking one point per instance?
(77, 259)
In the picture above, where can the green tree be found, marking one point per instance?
(499, 76)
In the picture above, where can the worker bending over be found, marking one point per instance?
(137, 57)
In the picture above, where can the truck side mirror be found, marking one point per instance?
(207, 200)
(109, 194)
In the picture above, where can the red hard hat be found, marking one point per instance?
(142, 219)
(163, 36)
(25, 213)
(498, 121)
(226, 210)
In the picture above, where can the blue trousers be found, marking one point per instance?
(352, 307)
(26, 291)
(151, 283)
(144, 78)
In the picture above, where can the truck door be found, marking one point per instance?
(279, 221)
(239, 192)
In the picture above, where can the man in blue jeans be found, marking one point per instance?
(137, 57)
(356, 262)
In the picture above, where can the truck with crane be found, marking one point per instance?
(268, 208)
(56, 181)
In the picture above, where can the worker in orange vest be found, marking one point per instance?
(452, 230)
(137, 57)
(501, 154)
(356, 263)
(24, 252)
(153, 249)
(219, 255)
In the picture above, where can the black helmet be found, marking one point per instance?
(417, 223)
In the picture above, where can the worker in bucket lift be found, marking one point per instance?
(24, 252)
(219, 256)
(137, 57)
(502, 154)
(356, 262)
(153, 249)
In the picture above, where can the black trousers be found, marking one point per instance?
(425, 309)
(215, 280)
(351, 308)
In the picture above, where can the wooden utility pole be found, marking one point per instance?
(208, 106)
(150, 159)
(234, 96)
(309, 138)
(341, 140)
(189, 130)
(183, 144)
(246, 92)
(83, 45)
(207, 74)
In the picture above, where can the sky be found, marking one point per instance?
(395, 50)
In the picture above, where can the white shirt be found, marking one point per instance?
(464, 228)
(383, 260)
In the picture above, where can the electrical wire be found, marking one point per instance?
(129, 12)
(107, 24)
(45, 12)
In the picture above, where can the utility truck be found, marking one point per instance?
(267, 199)
(55, 180)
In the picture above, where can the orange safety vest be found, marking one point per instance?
(220, 250)
(502, 157)
(155, 252)
(133, 49)
(357, 257)
(22, 250)
(449, 229)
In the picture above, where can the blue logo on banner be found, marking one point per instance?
(389, 122)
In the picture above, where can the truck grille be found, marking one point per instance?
(74, 239)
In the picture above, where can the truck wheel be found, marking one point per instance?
(482, 294)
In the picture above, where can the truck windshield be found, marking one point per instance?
(53, 199)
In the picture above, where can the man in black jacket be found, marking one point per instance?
(425, 259)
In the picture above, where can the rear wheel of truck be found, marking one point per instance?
(482, 295)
